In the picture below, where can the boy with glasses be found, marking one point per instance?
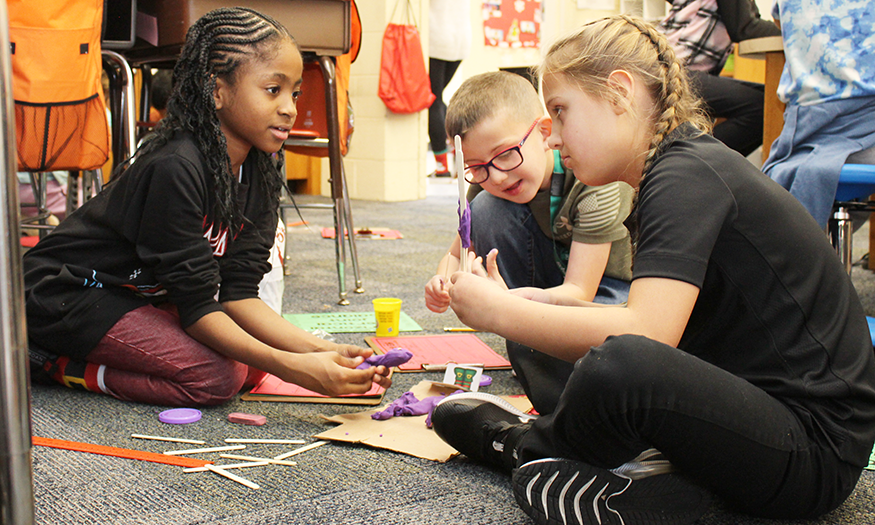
(538, 225)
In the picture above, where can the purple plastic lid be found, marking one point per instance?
(485, 380)
(179, 416)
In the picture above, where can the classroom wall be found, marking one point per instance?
(386, 154)
(387, 159)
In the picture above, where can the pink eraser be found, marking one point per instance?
(247, 419)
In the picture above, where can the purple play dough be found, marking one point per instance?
(465, 224)
(408, 405)
(394, 357)
(394, 408)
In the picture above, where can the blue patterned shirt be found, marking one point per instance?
(829, 47)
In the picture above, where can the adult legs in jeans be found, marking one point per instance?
(633, 393)
(149, 358)
(739, 102)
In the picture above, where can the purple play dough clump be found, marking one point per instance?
(394, 357)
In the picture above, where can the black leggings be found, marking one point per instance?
(440, 72)
(633, 393)
(739, 102)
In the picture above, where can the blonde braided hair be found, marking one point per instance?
(590, 54)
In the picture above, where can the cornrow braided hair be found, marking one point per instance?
(590, 54)
(216, 46)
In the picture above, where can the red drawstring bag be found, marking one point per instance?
(404, 83)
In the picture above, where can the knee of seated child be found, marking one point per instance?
(217, 382)
(618, 363)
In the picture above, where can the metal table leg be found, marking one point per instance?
(16, 474)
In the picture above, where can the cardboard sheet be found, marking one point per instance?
(431, 351)
(404, 434)
(347, 322)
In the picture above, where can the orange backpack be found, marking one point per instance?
(60, 111)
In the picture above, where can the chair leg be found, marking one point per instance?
(72, 192)
(841, 235)
(335, 162)
(91, 184)
(38, 222)
(96, 180)
(353, 251)
(340, 250)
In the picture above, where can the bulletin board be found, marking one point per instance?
(512, 23)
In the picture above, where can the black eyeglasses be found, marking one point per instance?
(507, 160)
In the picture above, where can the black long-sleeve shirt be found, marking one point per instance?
(148, 237)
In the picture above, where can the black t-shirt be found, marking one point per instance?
(149, 237)
(775, 305)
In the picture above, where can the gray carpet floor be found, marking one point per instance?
(333, 484)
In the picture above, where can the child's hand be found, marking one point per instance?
(471, 296)
(328, 373)
(491, 270)
(334, 373)
(539, 295)
(437, 295)
(380, 373)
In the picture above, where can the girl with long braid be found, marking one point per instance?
(149, 292)
(740, 367)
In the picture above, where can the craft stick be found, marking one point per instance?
(440, 368)
(458, 329)
(204, 450)
(305, 448)
(172, 440)
(268, 441)
(246, 464)
(233, 477)
(460, 175)
(251, 458)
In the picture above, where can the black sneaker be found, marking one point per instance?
(482, 426)
(554, 491)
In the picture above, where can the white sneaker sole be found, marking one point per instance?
(557, 491)
(493, 399)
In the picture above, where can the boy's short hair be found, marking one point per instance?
(487, 94)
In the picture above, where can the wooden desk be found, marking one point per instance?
(770, 49)
(330, 36)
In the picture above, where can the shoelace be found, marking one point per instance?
(648, 463)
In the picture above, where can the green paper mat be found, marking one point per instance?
(347, 322)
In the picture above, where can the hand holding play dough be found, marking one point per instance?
(394, 357)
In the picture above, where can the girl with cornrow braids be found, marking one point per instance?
(149, 292)
(741, 366)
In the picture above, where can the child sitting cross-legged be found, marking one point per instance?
(541, 227)
(740, 366)
(149, 291)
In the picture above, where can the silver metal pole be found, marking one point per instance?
(16, 478)
(335, 163)
(129, 111)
